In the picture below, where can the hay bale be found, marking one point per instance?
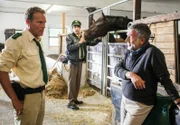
(86, 90)
(56, 87)
(53, 56)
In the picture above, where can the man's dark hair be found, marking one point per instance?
(30, 12)
(142, 30)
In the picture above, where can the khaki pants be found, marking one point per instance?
(74, 81)
(132, 112)
(33, 110)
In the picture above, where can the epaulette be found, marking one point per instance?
(15, 36)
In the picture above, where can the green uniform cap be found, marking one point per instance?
(76, 23)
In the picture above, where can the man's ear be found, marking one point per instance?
(27, 22)
(142, 40)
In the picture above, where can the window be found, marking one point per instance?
(18, 31)
(53, 36)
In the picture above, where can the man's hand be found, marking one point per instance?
(83, 33)
(100, 38)
(178, 106)
(136, 80)
(18, 106)
(6, 84)
(82, 40)
(177, 102)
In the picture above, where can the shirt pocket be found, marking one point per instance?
(31, 52)
(32, 57)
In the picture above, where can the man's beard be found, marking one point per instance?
(129, 47)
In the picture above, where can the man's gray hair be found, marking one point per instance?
(142, 30)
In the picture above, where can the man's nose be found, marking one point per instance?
(44, 26)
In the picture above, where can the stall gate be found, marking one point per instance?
(101, 60)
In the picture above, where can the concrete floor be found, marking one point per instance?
(96, 110)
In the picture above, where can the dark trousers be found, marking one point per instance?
(74, 81)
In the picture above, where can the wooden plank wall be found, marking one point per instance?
(165, 41)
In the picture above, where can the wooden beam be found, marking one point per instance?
(177, 52)
(136, 9)
(160, 18)
(63, 32)
(63, 23)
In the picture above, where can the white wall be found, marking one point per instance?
(9, 21)
(16, 21)
(55, 21)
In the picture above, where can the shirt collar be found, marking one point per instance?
(140, 50)
(77, 35)
(31, 37)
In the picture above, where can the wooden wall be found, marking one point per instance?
(164, 33)
(164, 28)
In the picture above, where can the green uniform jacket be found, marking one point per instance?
(75, 51)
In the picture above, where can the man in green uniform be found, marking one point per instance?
(76, 54)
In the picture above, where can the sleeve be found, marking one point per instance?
(162, 74)
(10, 55)
(71, 45)
(120, 70)
(94, 42)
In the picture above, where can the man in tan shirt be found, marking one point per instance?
(22, 55)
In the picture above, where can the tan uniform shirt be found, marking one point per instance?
(22, 56)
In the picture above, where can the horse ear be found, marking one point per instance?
(103, 14)
(104, 17)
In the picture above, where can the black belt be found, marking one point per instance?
(33, 90)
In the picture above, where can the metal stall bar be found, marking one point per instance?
(120, 2)
(104, 66)
(104, 69)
